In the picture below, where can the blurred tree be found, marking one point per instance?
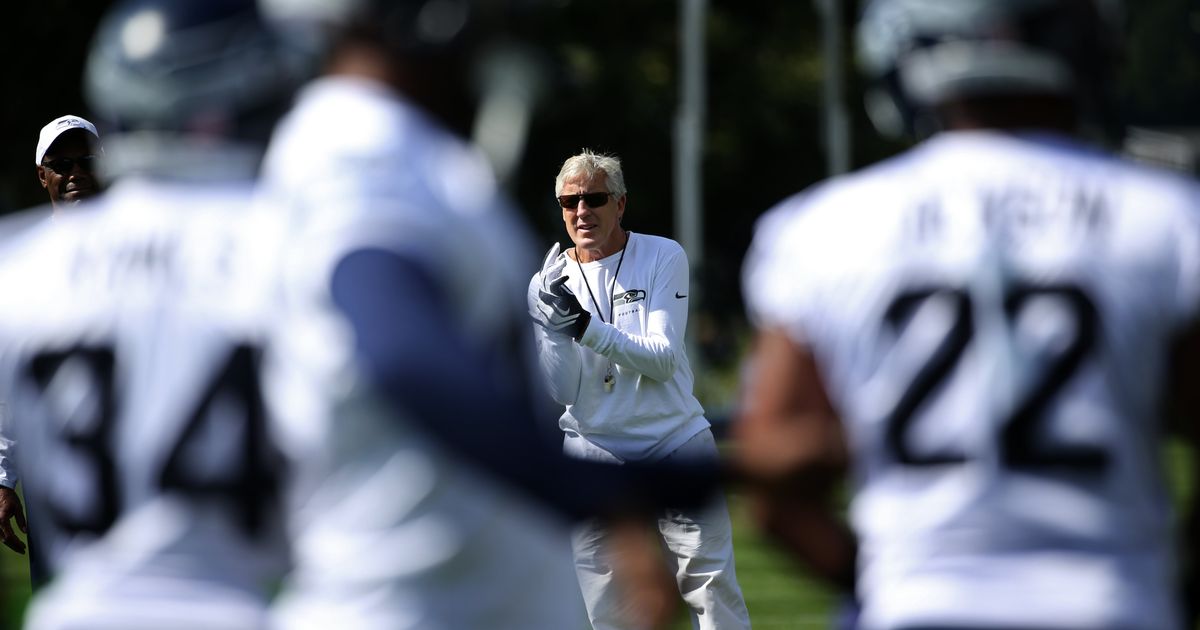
(618, 93)
(1160, 77)
(615, 89)
(43, 46)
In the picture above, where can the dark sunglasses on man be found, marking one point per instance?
(592, 199)
(64, 165)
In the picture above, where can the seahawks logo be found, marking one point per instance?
(629, 297)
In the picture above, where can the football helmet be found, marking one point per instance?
(919, 53)
(191, 67)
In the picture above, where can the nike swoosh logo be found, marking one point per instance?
(679, 297)
(560, 310)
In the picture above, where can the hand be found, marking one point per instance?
(560, 311)
(10, 508)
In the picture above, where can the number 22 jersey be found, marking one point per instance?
(992, 315)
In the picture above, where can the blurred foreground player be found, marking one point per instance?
(130, 340)
(985, 329)
(425, 495)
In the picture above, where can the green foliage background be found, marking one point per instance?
(614, 88)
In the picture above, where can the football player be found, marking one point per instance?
(131, 335)
(428, 494)
(983, 330)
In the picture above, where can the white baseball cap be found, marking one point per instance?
(58, 127)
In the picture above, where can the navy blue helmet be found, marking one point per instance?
(919, 53)
(194, 67)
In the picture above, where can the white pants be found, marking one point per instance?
(698, 546)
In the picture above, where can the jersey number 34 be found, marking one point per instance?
(248, 485)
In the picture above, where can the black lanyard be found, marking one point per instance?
(611, 298)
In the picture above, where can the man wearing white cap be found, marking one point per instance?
(66, 152)
(65, 158)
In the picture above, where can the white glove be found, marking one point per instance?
(552, 269)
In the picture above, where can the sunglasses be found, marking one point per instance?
(592, 199)
(64, 165)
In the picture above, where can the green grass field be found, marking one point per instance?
(777, 592)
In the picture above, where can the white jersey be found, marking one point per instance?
(991, 315)
(130, 333)
(391, 530)
(639, 319)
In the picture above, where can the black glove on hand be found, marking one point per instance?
(561, 310)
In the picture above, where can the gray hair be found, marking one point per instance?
(587, 165)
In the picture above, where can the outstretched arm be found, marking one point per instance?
(792, 451)
(416, 354)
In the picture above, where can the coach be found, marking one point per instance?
(612, 312)
(65, 159)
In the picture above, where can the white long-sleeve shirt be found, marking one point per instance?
(650, 411)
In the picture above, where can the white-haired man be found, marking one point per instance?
(611, 315)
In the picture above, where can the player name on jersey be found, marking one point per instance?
(1019, 210)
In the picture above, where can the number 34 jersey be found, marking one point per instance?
(992, 315)
(130, 336)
